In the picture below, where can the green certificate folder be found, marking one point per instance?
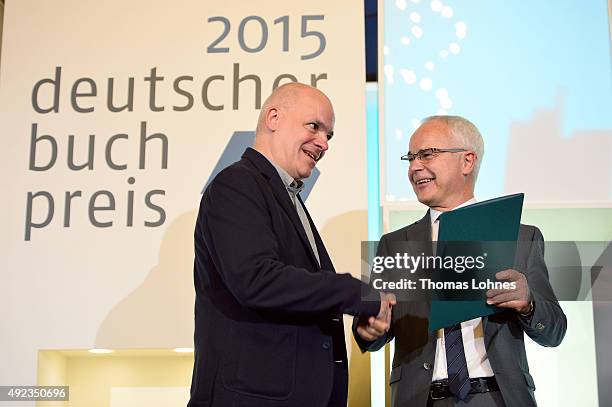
(493, 224)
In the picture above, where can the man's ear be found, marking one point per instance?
(272, 118)
(469, 162)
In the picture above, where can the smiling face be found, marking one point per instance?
(445, 181)
(299, 127)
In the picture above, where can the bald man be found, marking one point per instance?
(269, 305)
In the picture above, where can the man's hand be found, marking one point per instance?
(373, 328)
(518, 298)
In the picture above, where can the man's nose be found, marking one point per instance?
(415, 165)
(321, 142)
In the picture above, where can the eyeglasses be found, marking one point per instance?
(428, 154)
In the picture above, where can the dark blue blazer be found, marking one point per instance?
(268, 319)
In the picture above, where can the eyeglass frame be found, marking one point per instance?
(419, 154)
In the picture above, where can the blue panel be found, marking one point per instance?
(516, 60)
(373, 162)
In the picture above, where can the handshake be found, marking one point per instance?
(372, 328)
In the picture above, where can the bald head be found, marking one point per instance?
(286, 97)
(294, 127)
(465, 133)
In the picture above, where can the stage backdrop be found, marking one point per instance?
(540, 93)
(113, 115)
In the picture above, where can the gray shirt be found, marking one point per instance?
(294, 187)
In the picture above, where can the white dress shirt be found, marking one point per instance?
(473, 335)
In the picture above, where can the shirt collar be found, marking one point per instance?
(294, 186)
(434, 214)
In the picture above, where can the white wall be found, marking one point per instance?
(75, 285)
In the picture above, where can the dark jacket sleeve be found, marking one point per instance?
(548, 323)
(373, 346)
(237, 230)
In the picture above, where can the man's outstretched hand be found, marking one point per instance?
(373, 328)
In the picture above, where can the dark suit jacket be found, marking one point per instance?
(504, 341)
(268, 319)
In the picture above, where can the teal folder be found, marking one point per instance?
(496, 220)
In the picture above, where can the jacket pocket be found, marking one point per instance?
(261, 362)
(529, 380)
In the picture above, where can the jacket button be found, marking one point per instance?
(539, 326)
(427, 366)
(326, 345)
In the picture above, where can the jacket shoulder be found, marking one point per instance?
(402, 233)
(529, 232)
(241, 173)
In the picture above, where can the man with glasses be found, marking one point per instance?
(481, 362)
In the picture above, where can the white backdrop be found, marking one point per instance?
(103, 256)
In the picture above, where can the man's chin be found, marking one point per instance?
(305, 173)
(304, 176)
(424, 199)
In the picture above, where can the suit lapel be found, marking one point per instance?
(324, 258)
(485, 321)
(419, 240)
(491, 325)
(281, 194)
(419, 237)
